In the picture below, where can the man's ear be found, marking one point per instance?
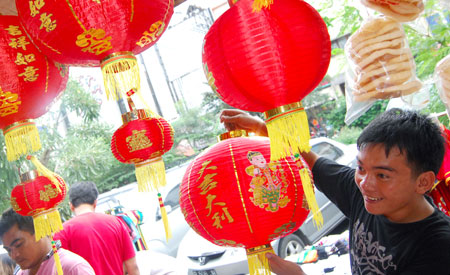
(95, 204)
(72, 208)
(425, 182)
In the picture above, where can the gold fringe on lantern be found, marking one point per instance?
(308, 189)
(45, 172)
(120, 74)
(259, 4)
(46, 223)
(257, 261)
(151, 174)
(56, 257)
(21, 138)
(288, 130)
(164, 218)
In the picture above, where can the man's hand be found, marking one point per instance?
(239, 120)
(283, 267)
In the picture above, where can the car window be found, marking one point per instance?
(327, 150)
(173, 197)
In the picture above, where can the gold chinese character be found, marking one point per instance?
(210, 199)
(204, 166)
(138, 141)
(15, 205)
(30, 74)
(218, 218)
(208, 183)
(94, 41)
(48, 193)
(35, 6)
(22, 59)
(155, 30)
(9, 103)
(14, 30)
(47, 23)
(20, 42)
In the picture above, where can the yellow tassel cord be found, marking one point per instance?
(164, 218)
(257, 261)
(259, 4)
(21, 139)
(56, 257)
(120, 74)
(46, 223)
(288, 133)
(308, 189)
(151, 175)
(45, 172)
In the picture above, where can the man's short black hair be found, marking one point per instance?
(412, 133)
(83, 192)
(10, 218)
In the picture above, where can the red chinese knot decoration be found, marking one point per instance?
(97, 33)
(29, 83)
(232, 187)
(268, 61)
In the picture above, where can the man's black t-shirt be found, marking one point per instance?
(378, 246)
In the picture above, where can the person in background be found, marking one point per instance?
(103, 240)
(36, 257)
(7, 265)
(394, 226)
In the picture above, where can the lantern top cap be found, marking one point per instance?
(30, 175)
(133, 115)
(233, 134)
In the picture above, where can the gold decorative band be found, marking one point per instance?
(273, 113)
(137, 114)
(259, 249)
(232, 134)
(150, 161)
(115, 56)
(18, 124)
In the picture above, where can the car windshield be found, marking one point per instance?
(327, 150)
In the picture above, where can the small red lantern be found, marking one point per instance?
(232, 188)
(267, 62)
(97, 33)
(441, 190)
(29, 83)
(142, 140)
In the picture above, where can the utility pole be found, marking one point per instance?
(152, 91)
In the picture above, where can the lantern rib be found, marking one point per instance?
(75, 16)
(132, 10)
(40, 41)
(46, 76)
(239, 187)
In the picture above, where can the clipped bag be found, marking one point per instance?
(399, 10)
(442, 80)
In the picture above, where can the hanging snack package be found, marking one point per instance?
(381, 65)
(442, 80)
(399, 10)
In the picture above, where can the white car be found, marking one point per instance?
(205, 258)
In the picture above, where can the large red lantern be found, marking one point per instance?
(142, 140)
(29, 83)
(268, 61)
(232, 196)
(97, 33)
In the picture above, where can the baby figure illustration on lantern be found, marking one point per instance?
(267, 183)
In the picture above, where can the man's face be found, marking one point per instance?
(387, 183)
(259, 161)
(23, 248)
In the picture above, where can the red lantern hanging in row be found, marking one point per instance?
(97, 33)
(267, 62)
(232, 188)
(142, 140)
(29, 83)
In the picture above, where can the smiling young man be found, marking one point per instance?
(394, 227)
(35, 257)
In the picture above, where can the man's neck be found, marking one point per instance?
(84, 208)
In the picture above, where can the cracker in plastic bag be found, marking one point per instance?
(399, 10)
(442, 79)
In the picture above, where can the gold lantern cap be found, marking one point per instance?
(233, 134)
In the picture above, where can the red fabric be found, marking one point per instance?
(101, 239)
(444, 171)
(29, 81)
(67, 36)
(142, 139)
(441, 197)
(223, 193)
(257, 61)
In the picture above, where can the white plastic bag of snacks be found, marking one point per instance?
(399, 10)
(442, 79)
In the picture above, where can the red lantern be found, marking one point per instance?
(142, 140)
(29, 83)
(268, 61)
(232, 188)
(97, 33)
(441, 190)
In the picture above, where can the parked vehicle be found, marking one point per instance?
(205, 258)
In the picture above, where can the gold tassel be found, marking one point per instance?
(308, 189)
(151, 175)
(120, 74)
(164, 217)
(257, 261)
(46, 223)
(288, 131)
(45, 172)
(56, 257)
(259, 4)
(21, 138)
